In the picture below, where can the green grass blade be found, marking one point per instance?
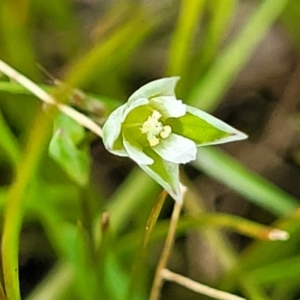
(290, 19)
(8, 142)
(105, 53)
(207, 92)
(15, 205)
(221, 13)
(14, 31)
(183, 35)
(278, 272)
(256, 189)
(202, 222)
(61, 17)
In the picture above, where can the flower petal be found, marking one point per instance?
(132, 105)
(112, 131)
(169, 106)
(232, 133)
(135, 152)
(160, 87)
(176, 149)
(166, 174)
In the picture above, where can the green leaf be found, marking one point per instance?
(65, 151)
(75, 131)
(156, 88)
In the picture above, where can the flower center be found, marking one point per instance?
(154, 129)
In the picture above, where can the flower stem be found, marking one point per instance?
(158, 278)
(198, 287)
(48, 99)
(15, 204)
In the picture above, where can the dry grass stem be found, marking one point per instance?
(278, 235)
(45, 97)
(198, 287)
(158, 278)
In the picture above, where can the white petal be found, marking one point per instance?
(160, 87)
(176, 149)
(132, 105)
(173, 188)
(235, 135)
(136, 153)
(169, 106)
(119, 152)
(112, 130)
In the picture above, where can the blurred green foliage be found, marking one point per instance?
(109, 49)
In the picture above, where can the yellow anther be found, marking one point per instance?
(153, 141)
(154, 129)
(166, 131)
(156, 114)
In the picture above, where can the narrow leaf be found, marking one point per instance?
(64, 150)
(154, 216)
(252, 186)
(8, 142)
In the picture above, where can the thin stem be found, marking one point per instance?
(156, 209)
(158, 279)
(2, 294)
(139, 262)
(47, 98)
(15, 206)
(198, 287)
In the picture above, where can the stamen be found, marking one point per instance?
(166, 131)
(153, 141)
(156, 114)
(154, 129)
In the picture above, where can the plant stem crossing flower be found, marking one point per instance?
(159, 132)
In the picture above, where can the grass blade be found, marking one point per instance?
(256, 189)
(207, 92)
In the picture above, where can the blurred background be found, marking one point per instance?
(237, 59)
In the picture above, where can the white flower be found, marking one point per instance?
(159, 132)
